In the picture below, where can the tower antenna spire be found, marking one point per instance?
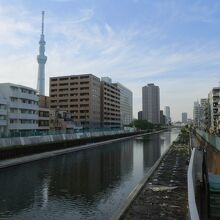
(41, 59)
(42, 28)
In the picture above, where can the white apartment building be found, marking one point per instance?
(21, 104)
(126, 104)
(3, 115)
(167, 114)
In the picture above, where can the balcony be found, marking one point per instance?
(3, 101)
(43, 127)
(3, 112)
(23, 116)
(23, 106)
(25, 96)
(3, 122)
(23, 126)
(43, 118)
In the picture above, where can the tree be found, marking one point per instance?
(142, 124)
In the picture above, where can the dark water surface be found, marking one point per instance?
(90, 184)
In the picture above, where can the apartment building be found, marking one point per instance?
(44, 101)
(218, 120)
(110, 104)
(44, 113)
(196, 114)
(214, 98)
(126, 104)
(21, 103)
(167, 114)
(140, 115)
(78, 95)
(184, 117)
(3, 115)
(203, 113)
(162, 118)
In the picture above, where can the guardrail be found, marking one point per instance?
(192, 177)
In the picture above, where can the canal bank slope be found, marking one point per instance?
(163, 192)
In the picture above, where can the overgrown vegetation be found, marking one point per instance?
(183, 137)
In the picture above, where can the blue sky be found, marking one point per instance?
(172, 43)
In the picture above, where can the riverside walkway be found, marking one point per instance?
(164, 195)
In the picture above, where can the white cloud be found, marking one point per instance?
(16, 25)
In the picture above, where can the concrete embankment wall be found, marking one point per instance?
(36, 140)
(22, 146)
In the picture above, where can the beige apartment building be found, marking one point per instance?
(110, 104)
(78, 95)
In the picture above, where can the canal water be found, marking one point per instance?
(90, 184)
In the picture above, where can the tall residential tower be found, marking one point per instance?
(41, 59)
(184, 117)
(167, 114)
(151, 103)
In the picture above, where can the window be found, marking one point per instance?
(63, 84)
(74, 77)
(64, 78)
(84, 77)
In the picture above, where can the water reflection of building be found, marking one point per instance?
(93, 171)
(167, 138)
(20, 189)
(81, 178)
(151, 150)
(126, 156)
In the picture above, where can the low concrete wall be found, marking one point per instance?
(212, 146)
(37, 140)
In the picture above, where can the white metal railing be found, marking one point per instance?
(191, 182)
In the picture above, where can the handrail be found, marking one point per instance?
(191, 182)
